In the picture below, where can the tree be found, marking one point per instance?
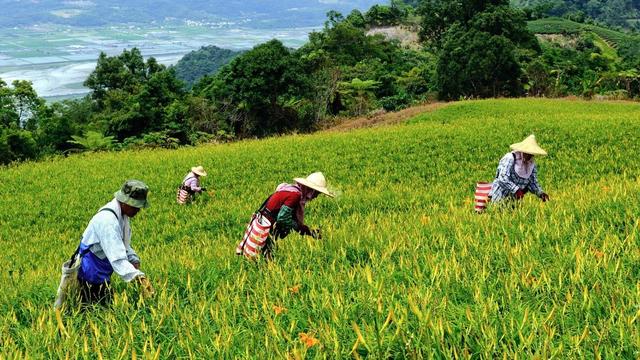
(358, 94)
(205, 61)
(381, 15)
(16, 145)
(439, 15)
(19, 105)
(539, 81)
(476, 43)
(477, 64)
(506, 22)
(155, 95)
(252, 90)
(131, 95)
(8, 114)
(27, 103)
(109, 74)
(356, 19)
(125, 72)
(93, 141)
(55, 128)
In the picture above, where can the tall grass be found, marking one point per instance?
(405, 268)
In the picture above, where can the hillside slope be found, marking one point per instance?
(405, 268)
(563, 26)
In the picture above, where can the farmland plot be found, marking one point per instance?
(405, 269)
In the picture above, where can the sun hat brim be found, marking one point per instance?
(124, 198)
(529, 149)
(313, 186)
(198, 172)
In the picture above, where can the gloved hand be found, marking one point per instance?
(519, 194)
(146, 289)
(304, 230)
(544, 197)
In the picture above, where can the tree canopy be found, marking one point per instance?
(467, 49)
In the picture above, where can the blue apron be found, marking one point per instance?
(93, 269)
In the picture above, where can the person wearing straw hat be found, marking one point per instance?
(283, 212)
(517, 173)
(191, 185)
(105, 246)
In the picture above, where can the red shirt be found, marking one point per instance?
(289, 198)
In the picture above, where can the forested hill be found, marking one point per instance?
(622, 13)
(258, 13)
(204, 61)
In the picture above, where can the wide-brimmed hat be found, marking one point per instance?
(133, 193)
(529, 146)
(315, 181)
(199, 170)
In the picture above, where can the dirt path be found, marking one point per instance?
(389, 118)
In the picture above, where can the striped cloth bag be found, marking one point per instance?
(255, 237)
(182, 196)
(482, 196)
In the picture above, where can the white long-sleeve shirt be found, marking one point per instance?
(192, 181)
(108, 237)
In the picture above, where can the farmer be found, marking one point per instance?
(517, 174)
(281, 213)
(106, 246)
(191, 185)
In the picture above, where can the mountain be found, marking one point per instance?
(253, 13)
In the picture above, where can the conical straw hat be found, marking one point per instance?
(199, 170)
(316, 181)
(529, 146)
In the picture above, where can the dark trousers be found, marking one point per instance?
(276, 234)
(94, 293)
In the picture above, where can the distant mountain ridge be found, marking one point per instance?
(254, 13)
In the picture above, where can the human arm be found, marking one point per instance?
(193, 184)
(133, 258)
(286, 220)
(291, 215)
(314, 233)
(534, 185)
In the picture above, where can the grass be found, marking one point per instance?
(405, 268)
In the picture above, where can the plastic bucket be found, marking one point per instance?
(482, 196)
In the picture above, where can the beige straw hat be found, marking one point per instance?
(316, 181)
(199, 170)
(529, 146)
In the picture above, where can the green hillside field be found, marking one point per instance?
(563, 26)
(405, 269)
